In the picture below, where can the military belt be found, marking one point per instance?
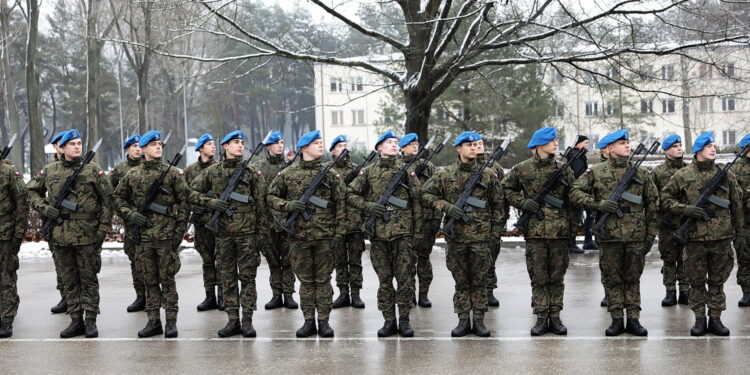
(631, 209)
(79, 216)
(245, 208)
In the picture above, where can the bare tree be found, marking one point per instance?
(33, 94)
(9, 80)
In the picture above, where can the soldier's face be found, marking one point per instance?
(708, 152)
(73, 149)
(276, 149)
(388, 148)
(411, 148)
(234, 148)
(467, 150)
(134, 151)
(620, 149)
(153, 150)
(549, 148)
(208, 149)
(480, 147)
(675, 151)
(314, 150)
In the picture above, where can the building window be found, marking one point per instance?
(613, 108)
(647, 106)
(667, 105)
(728, 69)
(592, 108)
(705, 71)
(358, 117)
(706, 104)
(729, 137)
(667, 72)
(337, 117)
(357, 84)
(336, 85)
(559, 109)
(728, 103)
(646, 72)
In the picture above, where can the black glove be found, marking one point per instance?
(453, 212)
(374, 209)
(608, 206)
(136, 218)
(295, 206)
(51, 212)
(648, 244)
(530, 205)
(694, 212)
(218, 204)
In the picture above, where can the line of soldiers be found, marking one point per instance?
(292, 214)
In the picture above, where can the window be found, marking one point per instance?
(727, 104)
(646, 72)
(336, 85)
(337, 117)
(667, 72)
(592, 108)
(559, 110)
(706, 104)
(357, 84)
(358, 117)
(647, 106)
(728, 69)
(705, 71)
(667, 105)
(613, 108)
(729, 137)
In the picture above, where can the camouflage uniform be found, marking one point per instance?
(309, 247)
(114, 179)
(391, 253)
(708, 254)
(501, 228)
(469, 254)
(547, 240)
(55, 260)
(74, 240)
(741, 169)
(621, 259)
(157, 256)
(237, 246)
(205, 242)
(13, 221)
(670, 249)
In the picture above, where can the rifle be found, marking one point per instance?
(355, 172)
(234, 181)
(308, 196)
(61, 200)
(465, 201)
(707, 195)
(6, 150)
(543, 195)
(149, 205)
(422, 167)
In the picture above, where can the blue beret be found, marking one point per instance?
(384, 136)
(467, 136)
(133, 139)
(745, 141)
(150, 136)
(336, 141)
(69, 136)
(308, 138)
(237, 134)
(202, 141)
(702, 141)
(274, 137)
(408, 138)
(671, 140)
(542, 136)
(57, 137)
(613, 137)
(477, 136)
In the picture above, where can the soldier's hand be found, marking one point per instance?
(51, 212)
(295, 206)
(218, 204)
(197, 210)
(694, 212)
(453, 212)
(608, 206)
(648, 244)
(740, 242)
(374, 209)
(137, 218)
(530, 205)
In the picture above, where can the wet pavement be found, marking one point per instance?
(36, 347)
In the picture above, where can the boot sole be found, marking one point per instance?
(143, 336)
(92, 336)
(229, 334)
(130, 310)
(71, 336)
(668, 304)
(304, 336)
(206, 308)
(170, 335)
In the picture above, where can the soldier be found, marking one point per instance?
(349, 255)
(628, 239)
(741, 169)
(547, 240)
(14, 212)
(133, 158)
(157, 257)
(409, 145)
(238, 257)
(205, 243)
(708, 253)
(78, 239)
(61, 306)
(392, 253)
(311, 244)
(579, 166)
(276, 249)
(671, 249)
(469, 253)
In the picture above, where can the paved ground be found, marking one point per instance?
(36, 347)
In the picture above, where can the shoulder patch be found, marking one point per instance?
(338, 175)
(413, 174)
(260, 173)
(361, 172)
(102, 173)
(588, 170)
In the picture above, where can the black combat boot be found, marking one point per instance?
(232, 328)
(170, 329)
(404, 327)
(423, 301)
(76, 328)
(683, 299)
(324, 329)
(210, 302)
(576, 250)
(616, 328)
(220, 300)
(6, 328)
(289, 302)
(152, 328)
(275, 302)
(540, 327)
(479, 328)
(699, 328)
(342, 301)
(308, 328)
(247, 327)
(389, 328)
(138, 305)
(635, 328)
(357, 302)
(590, 245)
(90, 329)
(670, 299)
(61, 306)
(463, 328)
(716, 327)
(557, 327)
(491, 300)
(745, 300)
(603, 303)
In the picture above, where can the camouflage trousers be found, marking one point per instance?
(621, 265)
(673, 268)
(492, 273)
(8, 293)
(276, 253)
(237, 261)
(469, 264)
(129, 247)
(58, 270)
(312, 263)
(205, 245)
(349, 262)
(423, 249)
(157, 265)
(743, 267)
(707, 266)
(80, 266)
(394, 259)
(547, 261)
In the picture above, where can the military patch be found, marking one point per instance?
(260, 173)
(588, 170)
(413, 174)
(361, 173)
(338, 176)
(41, 172)
(102, 173)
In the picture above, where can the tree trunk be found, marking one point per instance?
(418, 107)
(10, 82)
(36, 129)
(93, 58)
(143, 70)
(684, 72)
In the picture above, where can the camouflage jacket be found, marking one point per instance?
(525, 180)
(271, 166)
(353, 215)
(598, 183)
(120, 169)
(248, 217)
(447, 184)
(13, 203)
(498, 169)
(429, 212)
(292, 182)
(684, 188)
(200, 214)
(371, 184)
(661, 175)
(131, 194)
(741, 169)
(94, 200)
